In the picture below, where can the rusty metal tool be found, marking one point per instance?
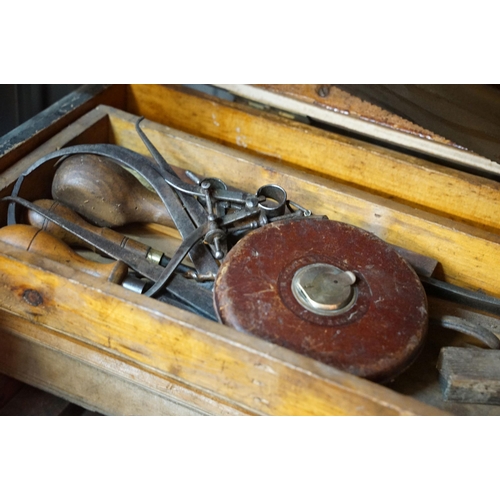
(215, 225)
(185, 290)
(57, 208)
(476, 300)
(202, 259)
(322, 288)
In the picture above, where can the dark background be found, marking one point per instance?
(19, 103)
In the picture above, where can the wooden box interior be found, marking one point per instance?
(121, 353)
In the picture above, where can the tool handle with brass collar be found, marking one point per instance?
(38, 220)
(37, 241)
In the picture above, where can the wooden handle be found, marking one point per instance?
(39, 221)
(105, 193)
(35, 240)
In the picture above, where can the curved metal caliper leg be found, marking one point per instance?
(187, 290)
(203, 261)
(181, 253)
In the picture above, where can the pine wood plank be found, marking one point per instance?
(466, 114)
(93, 378)
(236, 367)
(468, 255)
(345, 111)
(470, 375)
(416, 182)
(28, 136)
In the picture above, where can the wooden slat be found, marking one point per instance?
(416, 182)
(470, 375)
(93, 378)
(343, 110)
(28, 136)
(236, 367)
(468, 256)
(466, 114)
(338, 102)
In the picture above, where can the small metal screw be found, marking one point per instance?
(32, 297)
(323, 90)
(218, 254)
(193, 177)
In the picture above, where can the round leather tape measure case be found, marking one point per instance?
(326, 289)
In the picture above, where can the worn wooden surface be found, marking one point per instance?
(362, 122)
(467, 255)
(465, 114)
(95, 378)
(470, 375)
(37, 241)
(252, 374)
(417, 183)
(25, 138)
(117, 197)
(338, 101)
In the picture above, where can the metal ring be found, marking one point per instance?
(275, 193)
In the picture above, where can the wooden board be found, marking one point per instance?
(93, 378)
(256, 376)
(22, 140)
(470, 375)
(339, 102)
(349, 112)
(466, 114)
(467, 255)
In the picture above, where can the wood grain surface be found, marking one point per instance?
(328, 107)
(95, 378)
(245, 371)
(333, 98)
(469, 115)
(467, 255)
(417, 183)
(470, 375)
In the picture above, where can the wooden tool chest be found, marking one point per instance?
(117, 352)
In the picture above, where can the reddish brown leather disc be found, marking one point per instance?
(377, 337)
